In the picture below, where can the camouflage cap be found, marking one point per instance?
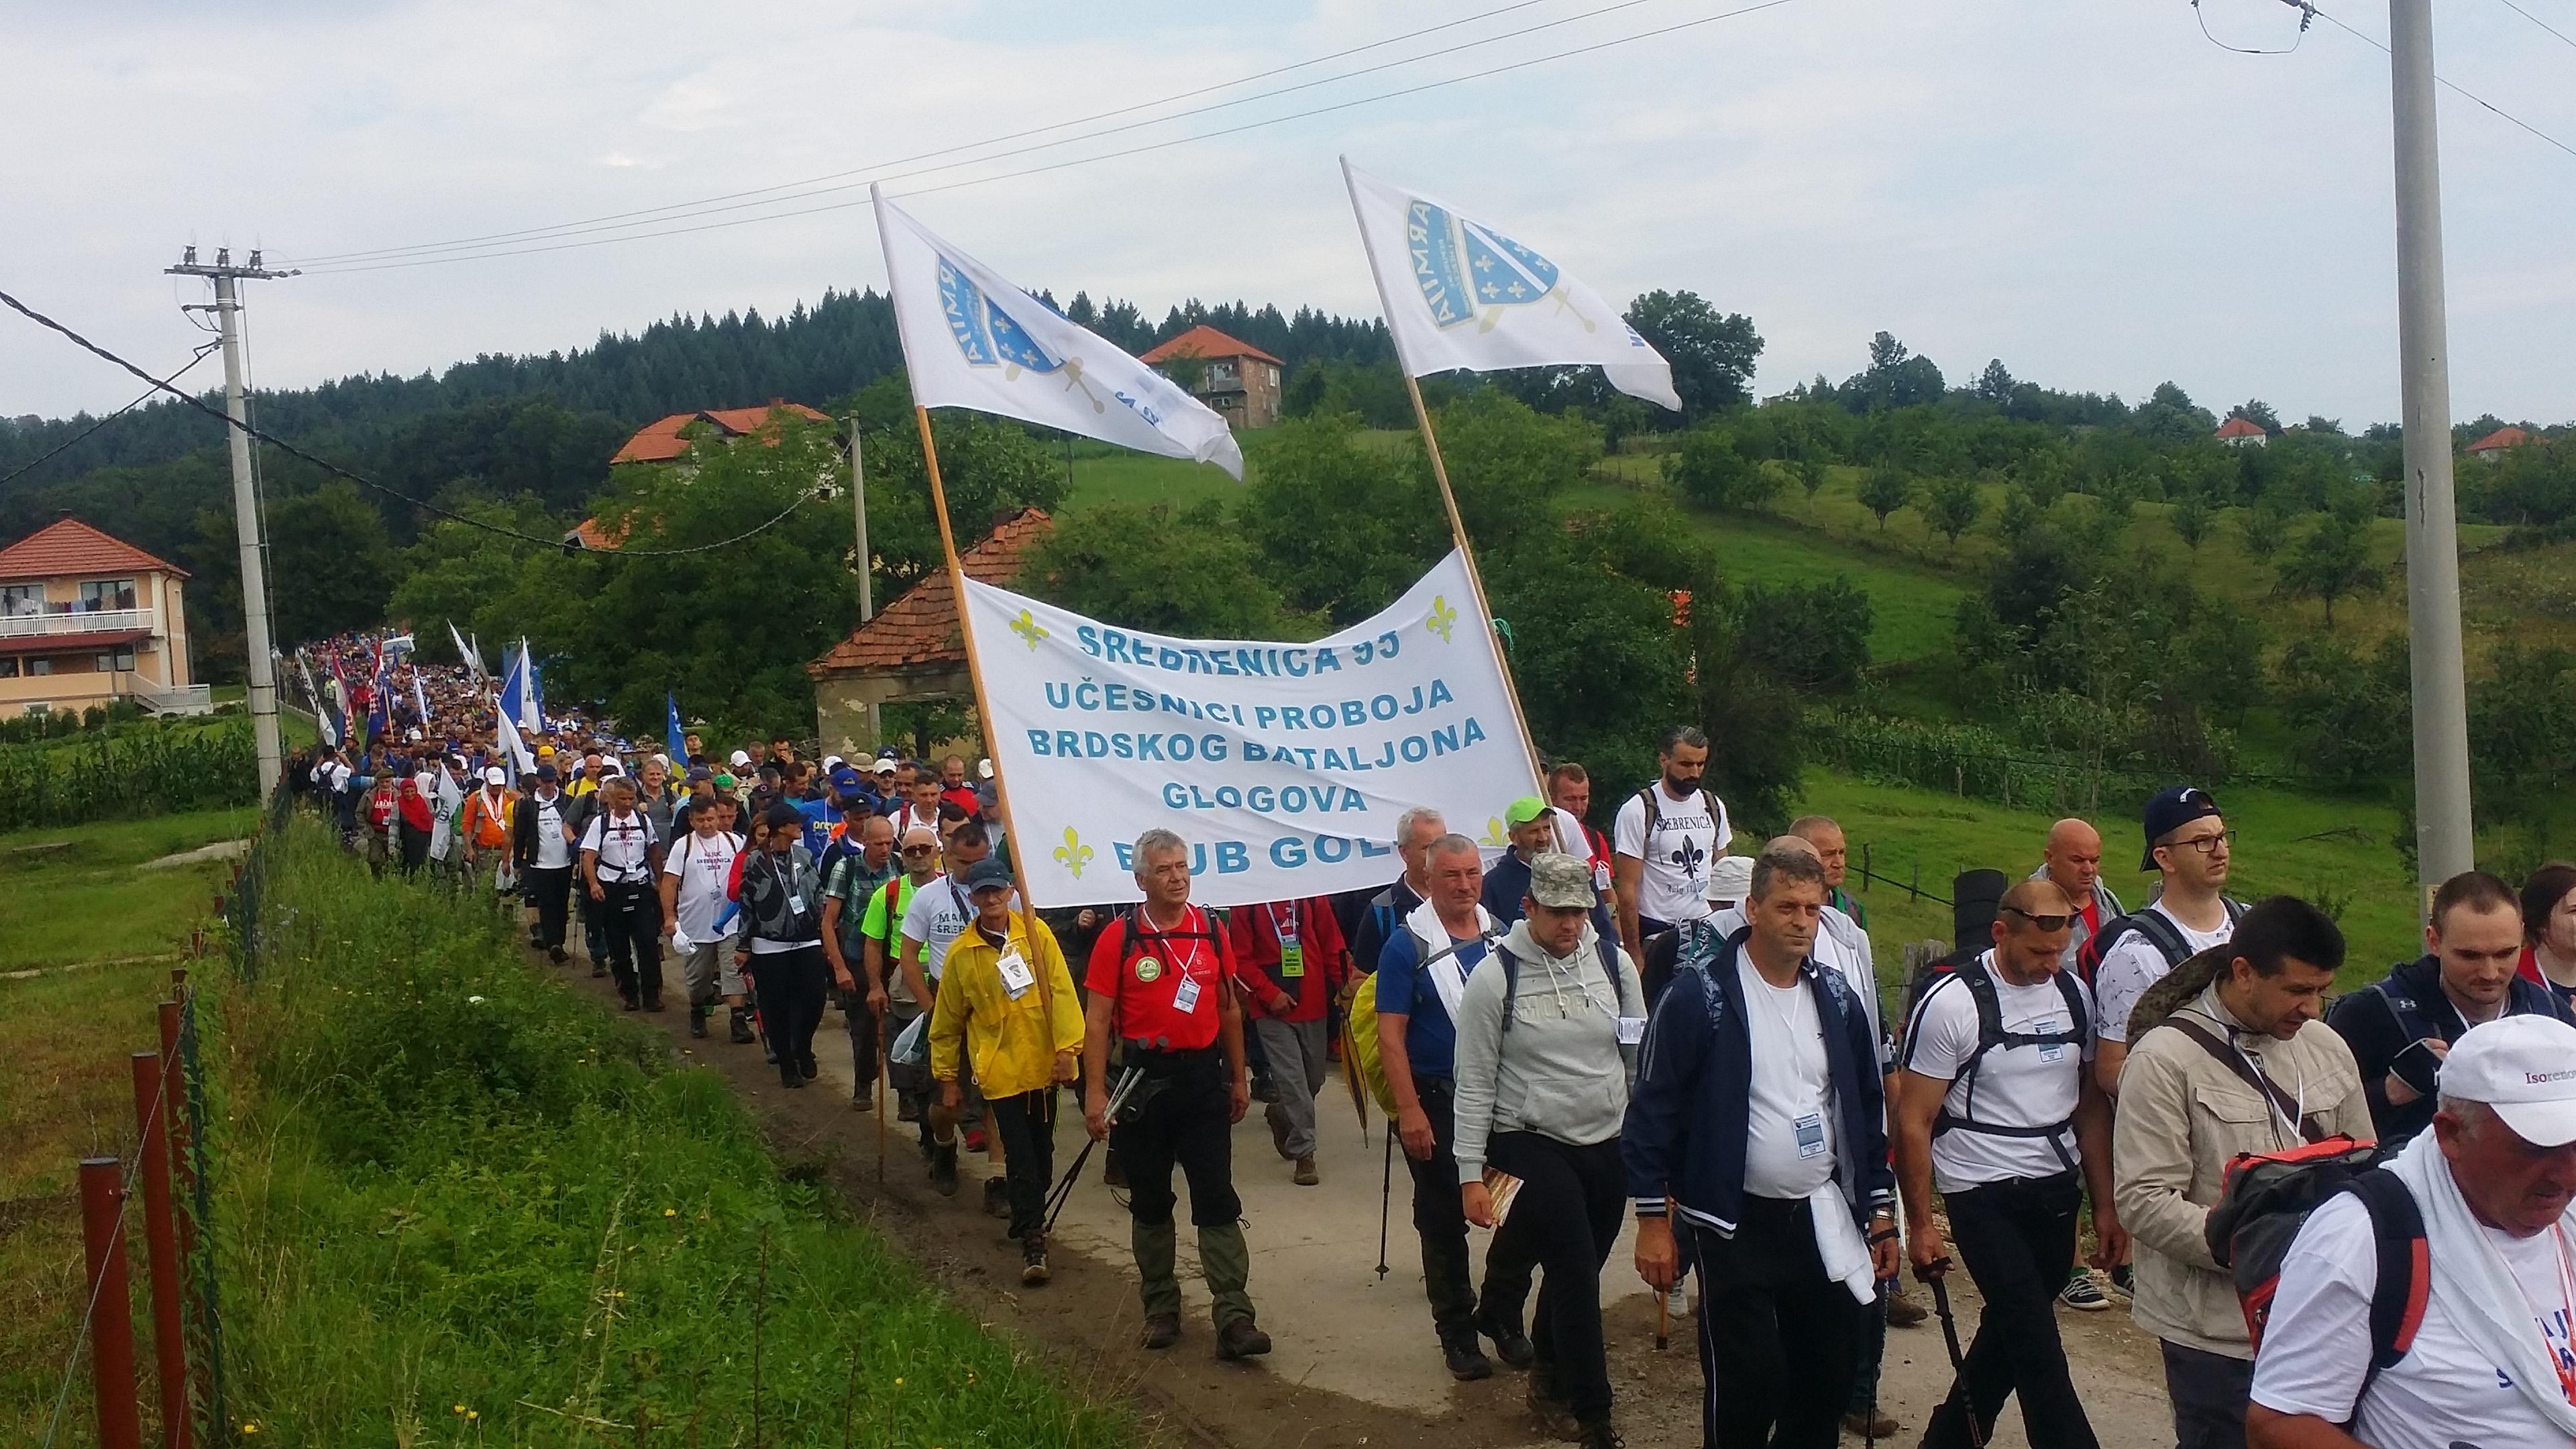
(1560, 882)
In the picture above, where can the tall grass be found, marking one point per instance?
(135, 771)
(470, 1208)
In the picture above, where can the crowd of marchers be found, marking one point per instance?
(2344, 1221)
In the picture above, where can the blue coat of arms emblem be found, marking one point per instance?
(989, 338)
(1469, 272)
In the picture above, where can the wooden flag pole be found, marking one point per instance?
(984, 717)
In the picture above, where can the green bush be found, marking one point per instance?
(465, 1206)
(127, 772)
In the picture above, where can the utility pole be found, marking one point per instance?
(2445, 842)
(254, 549)
(867, 571)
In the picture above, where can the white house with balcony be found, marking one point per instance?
(86, 619)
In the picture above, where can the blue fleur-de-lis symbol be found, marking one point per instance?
(1689, 857)
(1443, 618)
(1029, 630)
(1073, 855)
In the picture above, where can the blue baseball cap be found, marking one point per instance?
(846, 780)
(2170, 811)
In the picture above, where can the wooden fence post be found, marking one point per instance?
(111, 1313)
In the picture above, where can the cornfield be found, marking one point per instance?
(191, 766)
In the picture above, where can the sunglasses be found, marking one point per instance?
(2045, 923)
(919, 849)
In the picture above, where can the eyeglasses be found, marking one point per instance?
(2206, 844)
(2045, 923)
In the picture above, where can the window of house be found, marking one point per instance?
(107, 594)
(22, 599)
(8, 668)
(116, 659)
(40, 665)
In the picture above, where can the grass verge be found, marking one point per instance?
(468, 1207)
(89, 893)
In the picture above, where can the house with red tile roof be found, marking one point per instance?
(913, 649)
(2238, 433)
(668, 442)
(1237, 379)
(87, 618)
(2493, 445)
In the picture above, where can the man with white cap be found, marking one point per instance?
(2489, 1363)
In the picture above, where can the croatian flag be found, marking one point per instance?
(1461, 294)
(972, 340)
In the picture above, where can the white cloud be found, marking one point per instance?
(2094, 194)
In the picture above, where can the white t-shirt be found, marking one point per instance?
(623, 843)
(1672, 882)
(1789, 1119)
(2135, 964)
(702, 863)
(2444, 1393)
(937, 917)
(1828, 951)
(2021, 1086)
(554, 852)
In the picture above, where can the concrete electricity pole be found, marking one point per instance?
(254, 549)
(2444, 839)
(867, 580)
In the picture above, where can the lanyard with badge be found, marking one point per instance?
(1017, 978)
(1292, 953)
(1185, 990)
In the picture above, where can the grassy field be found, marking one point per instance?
(2335, 853)
(467, 1206)
(81, 893)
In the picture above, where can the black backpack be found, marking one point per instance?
(1978, 980)
(2156, 926)
(2268, 1196)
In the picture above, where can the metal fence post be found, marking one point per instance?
(161, 1247)
(111, 1314)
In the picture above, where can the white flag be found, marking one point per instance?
(473, 660)
(972, 340)
(1460, 294)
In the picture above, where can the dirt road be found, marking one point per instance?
(1355, 1361)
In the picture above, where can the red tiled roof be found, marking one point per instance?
(591, 534)
(2239, 428)
(661, 442)
(921, 627)
(2507, 436)
(72, 643)
(1206, 342)
(68, 546)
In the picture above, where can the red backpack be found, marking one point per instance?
(2268, 1197)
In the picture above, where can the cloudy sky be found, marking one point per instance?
(2094, 193)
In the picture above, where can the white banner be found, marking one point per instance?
(1283, 765)
(1460, 294)
(972, 340)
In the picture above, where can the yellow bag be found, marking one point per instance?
(1359, 1044)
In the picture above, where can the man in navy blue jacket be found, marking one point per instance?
(1758, 1121)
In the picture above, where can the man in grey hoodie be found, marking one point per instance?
(1547, 1034)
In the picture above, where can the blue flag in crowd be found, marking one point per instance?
(673, 737)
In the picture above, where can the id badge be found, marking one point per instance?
(1632, 1030)
(1600, 876)
(1292, 960)
(2054, 1052)
(1185, 997)
(1016, 976)
(1811, 1134)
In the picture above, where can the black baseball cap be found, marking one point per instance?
(2170, 811)
(986, 872)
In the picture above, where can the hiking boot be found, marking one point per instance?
(1241, 1338)
(943, 1168)
(698, 1022)
(813, 1070)
(1279, 1136)
(556, 955)
(2082, 1294)
(1859, 1422)
(1555, 1418)
(906, 1109)
(1162, 1330)
(1598, 1434)
(859, 1100)
(1511, 1345)
(652, 1003)
(1466, 1362)
(633, 1001)
(738, 1027)
(788, 1075)
(596, 969)
(1904, 1312)
(1307, 1176)
(1033, 1263)
(997, 1197)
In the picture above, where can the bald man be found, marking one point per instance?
(2073, 863)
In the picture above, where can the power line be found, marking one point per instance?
(2536, 20)
(1106, 156)
(335, 470)
(149, 393)
(2453, 86)
(683, 206)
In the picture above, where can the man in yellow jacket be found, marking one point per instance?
(1007, 1000)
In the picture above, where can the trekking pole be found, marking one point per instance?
(1063, 1191)
(1932, 1273)
(885, 1065)
(1869, 1431)
(1385, 1195)
(1663, 1300)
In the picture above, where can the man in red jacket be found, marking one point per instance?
(1292, 967)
